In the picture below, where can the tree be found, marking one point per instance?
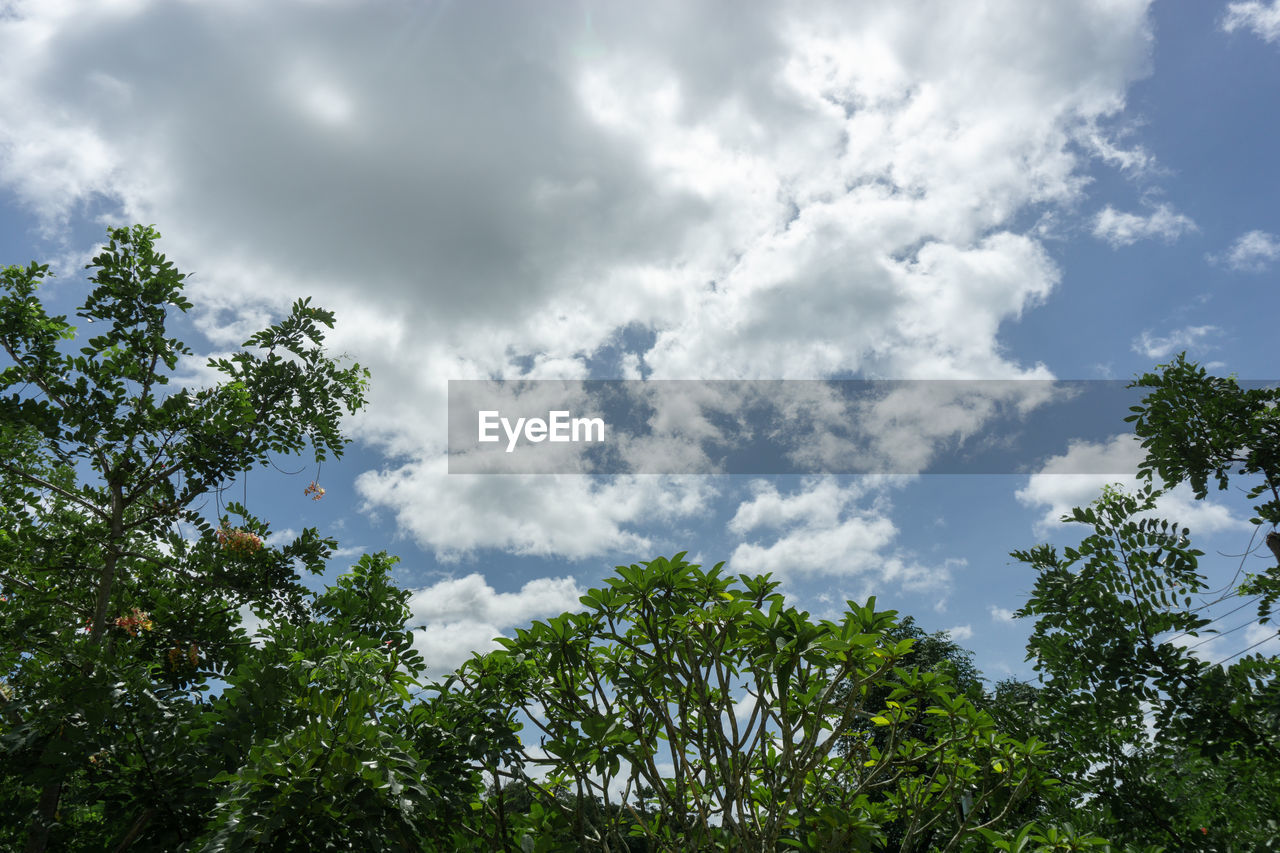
(1165, 746)
(698, 711)
(317, 740)
(681, 708)
(1007, 705)
(122, 589)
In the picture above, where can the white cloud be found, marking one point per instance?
(817, 189)
(350, 551)
(1124, 229)
(821, 502)
(572, 516)
(910, 426)
(252, 625)
(1251, 252)
(827, 529)
(1001, 614)
(1136, 160)
(1189, 338)
(464, 615)
(745, 707)
(1057, 487)
(960, 633)
(1261, 18)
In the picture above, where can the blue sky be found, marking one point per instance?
(914, 190)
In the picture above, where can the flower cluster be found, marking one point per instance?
(239, 541)
(135, 620)
(315, 490)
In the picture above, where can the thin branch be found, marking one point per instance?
(45, 484)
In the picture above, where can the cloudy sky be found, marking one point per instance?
(561, 190)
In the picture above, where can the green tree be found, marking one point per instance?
(699, 711)
(122, 591)
(1162, 746)
(1010, 705)
(318, 742)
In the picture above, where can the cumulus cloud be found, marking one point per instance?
(823, 501)
(1162, 346)
(960, 633)
(1124, 229)
(819, 189)
(1253, 251)
(464, 615)
(1261, 18)
(828, 529)
(576, 517)
(1056, 487)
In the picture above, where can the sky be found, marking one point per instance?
(673, 190)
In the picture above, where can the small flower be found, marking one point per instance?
(315, 490)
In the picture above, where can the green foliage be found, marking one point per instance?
(1160, 745)
(122, 599)
(316, 732)
(937, 653)
(691, 710)
(1194, 426)
(1102, 607)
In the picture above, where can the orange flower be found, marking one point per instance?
(239, 541)
(137, 619)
